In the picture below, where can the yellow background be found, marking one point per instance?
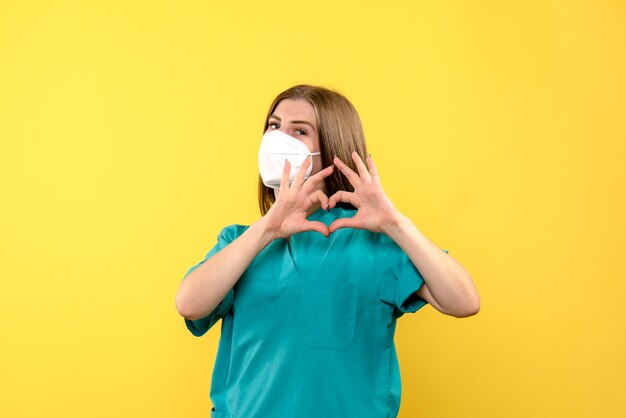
(129, 136)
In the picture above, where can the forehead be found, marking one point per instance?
(295, 109)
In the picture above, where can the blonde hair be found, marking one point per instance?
(340, 133)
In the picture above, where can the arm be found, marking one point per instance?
(205, 287)
(448, 286)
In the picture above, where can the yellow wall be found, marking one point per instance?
(129, 134)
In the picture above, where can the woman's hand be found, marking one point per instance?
(287, 216)
(375, 212)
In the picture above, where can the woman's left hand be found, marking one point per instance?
(375, 212)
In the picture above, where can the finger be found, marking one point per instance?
(343, 196)
(299, 179)
(312, 181)
(319, 196)
(373, 171)
(353, 177)
(284, 180)
(363, 173)
(344, 223)
(316, 226)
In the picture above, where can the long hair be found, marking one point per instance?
(340, 133)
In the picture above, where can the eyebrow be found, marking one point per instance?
(293, 121)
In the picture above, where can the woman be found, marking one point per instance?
(309, 294)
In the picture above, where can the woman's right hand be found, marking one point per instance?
(287, 216)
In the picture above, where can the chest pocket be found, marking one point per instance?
(327, 318)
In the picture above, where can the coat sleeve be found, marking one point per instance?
(199, 327)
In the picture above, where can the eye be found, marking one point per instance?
(301, 131)
(273, 125)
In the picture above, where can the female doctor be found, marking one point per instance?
(310, 293)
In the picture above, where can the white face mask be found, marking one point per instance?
(276, 146)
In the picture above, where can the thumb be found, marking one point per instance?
(316, 226)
